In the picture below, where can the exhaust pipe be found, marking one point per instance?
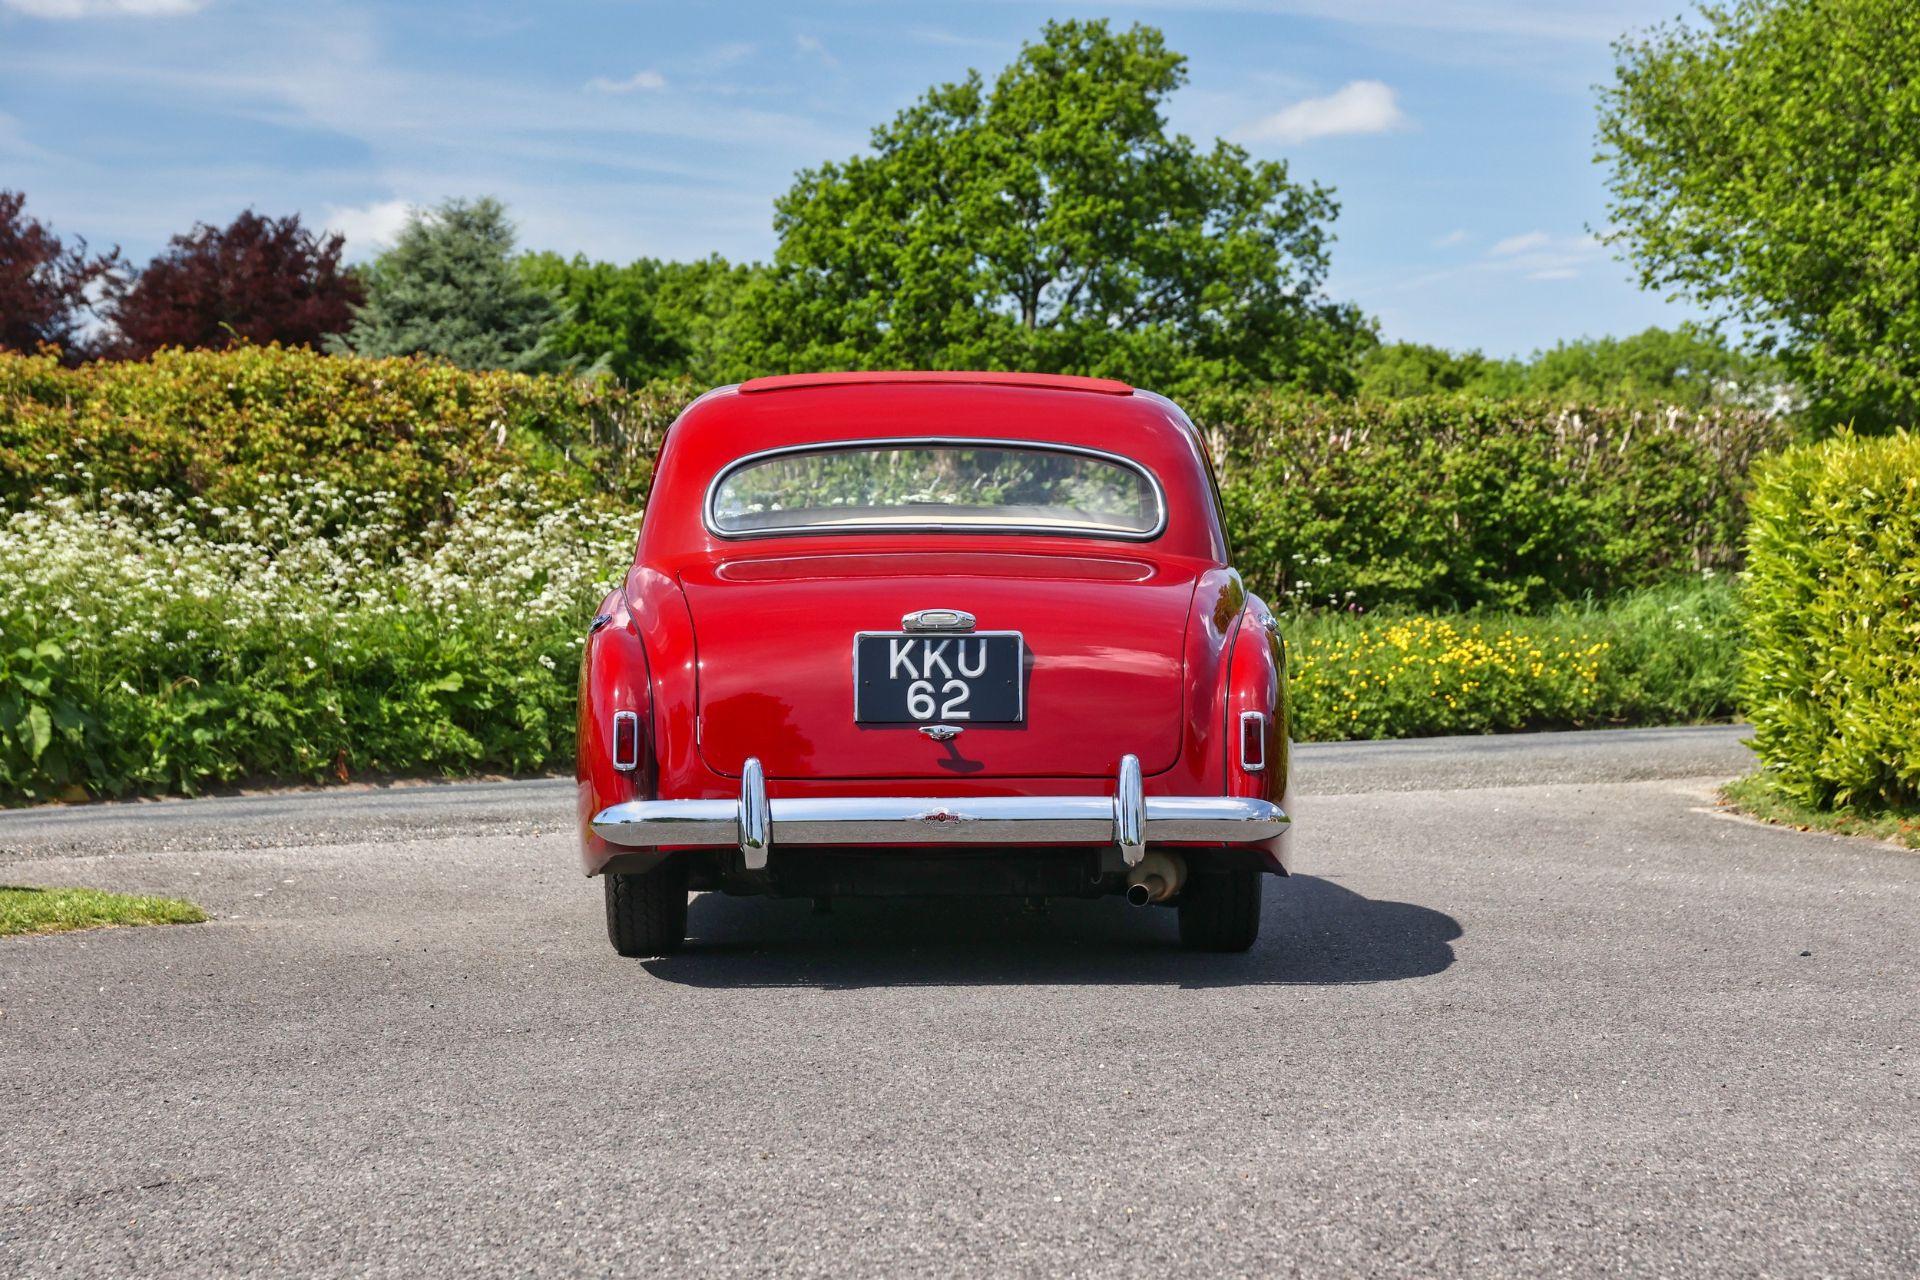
(1156, 877)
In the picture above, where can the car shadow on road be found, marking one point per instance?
(1313, 932)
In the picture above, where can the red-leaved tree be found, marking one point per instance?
(260, 279)
(44, 284)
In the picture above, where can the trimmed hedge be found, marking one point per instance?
(1438, 504)
(1832, 596)
(236, 427)
(1452, 503)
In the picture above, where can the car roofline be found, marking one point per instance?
(909, 377)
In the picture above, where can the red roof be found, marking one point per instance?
(1039, 381)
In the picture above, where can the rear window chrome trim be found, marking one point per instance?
(707, 513)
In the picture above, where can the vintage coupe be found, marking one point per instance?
(921, 633)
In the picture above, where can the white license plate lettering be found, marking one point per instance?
(950, 710)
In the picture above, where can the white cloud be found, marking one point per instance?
(15, 144)
(1452, 239)
(813, 47)
(954, 40)
(368, 228)
(1532, 255)
(1540, 256)
(1585, 21)
(648, 79)
(1364, 106)
(104, 8)
(724, 55)
(1519, 244)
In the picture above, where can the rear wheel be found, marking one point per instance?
(1220, 911)
(647, 913)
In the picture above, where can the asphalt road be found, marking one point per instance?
(1532, 1008)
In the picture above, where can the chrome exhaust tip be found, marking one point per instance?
(1139, 895)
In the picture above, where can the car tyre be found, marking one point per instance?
(1220, 911)
(647, 912)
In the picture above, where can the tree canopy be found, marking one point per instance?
(648, 319)
(450, 287)
(260, 279)
(1766, 162)
(45, 284)
(1052, 222)
(1687, 366)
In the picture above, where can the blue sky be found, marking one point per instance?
(1458, 133)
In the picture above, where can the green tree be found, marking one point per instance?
(1686, 366)
(449, 287)
(1395, 370)
(1766, 162)
(1051, 222)
(648, 319)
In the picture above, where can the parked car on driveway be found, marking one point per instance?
(925, 633)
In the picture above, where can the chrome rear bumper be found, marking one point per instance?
(754, 823)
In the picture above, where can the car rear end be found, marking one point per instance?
(924, 637)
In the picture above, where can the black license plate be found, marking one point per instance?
(907, 678)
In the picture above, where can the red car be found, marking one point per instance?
(921, 633)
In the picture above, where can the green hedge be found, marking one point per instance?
(1460, 503)
(1439, 504)
(1832, 596)
(239, 426)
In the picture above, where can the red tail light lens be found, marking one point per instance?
(1253, 741)
(626, 740)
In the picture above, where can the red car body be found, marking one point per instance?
(717, 705)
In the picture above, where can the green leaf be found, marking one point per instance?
(39, 730)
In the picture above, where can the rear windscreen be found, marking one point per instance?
(936, 486)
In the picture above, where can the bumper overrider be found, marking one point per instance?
(754, 823)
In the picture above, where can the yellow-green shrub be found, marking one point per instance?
(1832, 595)
(235, 427)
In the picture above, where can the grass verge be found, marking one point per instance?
(27, 910)
(1756, 796)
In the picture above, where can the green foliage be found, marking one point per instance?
(1444, 503)
(26, 910)
(1687, 366)
(1662, 656)
(1053, 223)
(403, 605)
(149, 645)
(449, 288)
(317, 636)
(1766, 162)
(649, 319)
(1457, 503)
(1832, 678)
(1398, 370)
(232, 427)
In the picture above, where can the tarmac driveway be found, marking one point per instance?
(1531, 1008)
